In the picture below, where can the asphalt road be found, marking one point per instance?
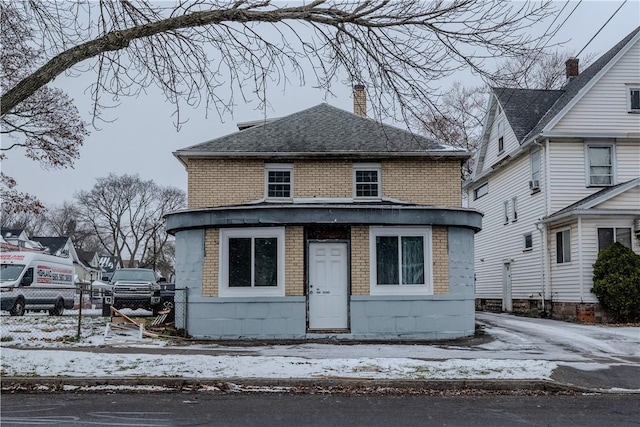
(284, 410)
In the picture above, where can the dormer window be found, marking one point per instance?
(278, 181)
(633, 98)
(366, 181)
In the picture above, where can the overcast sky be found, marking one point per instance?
(143, 136)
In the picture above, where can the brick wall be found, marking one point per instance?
(424, 182)
(294, 265)
(210, 266)
(360, 261)
(215, 182)
(323, 179)
(440, 248)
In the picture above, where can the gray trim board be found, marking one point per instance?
(267, 215)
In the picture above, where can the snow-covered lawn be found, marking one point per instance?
(518, 349)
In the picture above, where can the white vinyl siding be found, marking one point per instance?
(568, 170)
(565, 281)
(604, 107)
(493, 244)
(630, 199)
(509, 140)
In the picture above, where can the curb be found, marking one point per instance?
(287, 385)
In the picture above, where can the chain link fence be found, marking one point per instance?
(39, 317)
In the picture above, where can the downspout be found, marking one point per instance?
(580, 258)
(546, 265)
(543, 240)
(542, 228)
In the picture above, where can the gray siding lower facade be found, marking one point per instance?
(411, 317)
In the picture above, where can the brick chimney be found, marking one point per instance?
(359, 101)
(572, 68)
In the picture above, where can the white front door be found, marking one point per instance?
(328, 286)
(507, 302)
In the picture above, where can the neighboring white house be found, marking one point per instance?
(557, 178)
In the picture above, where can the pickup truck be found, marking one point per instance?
(130, 288)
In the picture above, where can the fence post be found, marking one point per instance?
(80, 313)
(186, 313)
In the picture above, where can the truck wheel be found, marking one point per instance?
(58, 309)
(18, 308)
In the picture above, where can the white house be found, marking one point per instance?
(557, 177)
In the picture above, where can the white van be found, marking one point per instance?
(35, 281)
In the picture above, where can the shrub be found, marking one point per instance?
(616, 282)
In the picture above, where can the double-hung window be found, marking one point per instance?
(534, 183)
(600, 162)
(528, 242)
(278, 181)
(252, 262)
(400, 260)
(563, 246)
(367, 181)
(608, 235)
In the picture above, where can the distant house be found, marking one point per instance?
(89, 267)
(16, 239)
(108, 264)
(557, 177)
(326, 224)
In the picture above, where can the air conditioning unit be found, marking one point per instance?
(534, 185)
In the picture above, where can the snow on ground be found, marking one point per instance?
(40, 345)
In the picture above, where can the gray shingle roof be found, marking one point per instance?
(53, 244)
(320, 130)
(525, 107)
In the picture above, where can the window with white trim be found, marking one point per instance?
(600, 162)
(483, 190)
(535, 171)
(367, 181)
(563, 246)
(528, 242)
(278, 181)
(252, 262)
(514, 205)
(400, 260)
(608, 235)
(633, 98)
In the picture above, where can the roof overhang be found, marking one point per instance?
(589, 212)
(350, 155)
(343, 214)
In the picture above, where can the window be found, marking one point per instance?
(252, 262)
(606, 237)
(528, 242)
(366, 179)
(563, 246)
(500, 138)
(534, 185)
(600, 164)
(506, 212)
(278, 179)
(400, 260)
(514, 204)
(483, 190)
(633, 99)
